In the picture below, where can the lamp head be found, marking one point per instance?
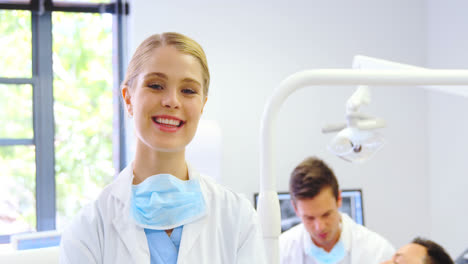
(356, 140)
(355, 145)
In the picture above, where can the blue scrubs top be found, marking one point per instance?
(164, 249)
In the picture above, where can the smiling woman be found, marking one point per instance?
(160, 209)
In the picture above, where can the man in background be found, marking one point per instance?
(325, 235)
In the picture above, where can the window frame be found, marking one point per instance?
(43, 100)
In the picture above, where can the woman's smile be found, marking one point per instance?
(168, 123)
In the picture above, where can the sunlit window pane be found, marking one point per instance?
(82, 51)
(16, 111)
(15, 43)
(17, 195)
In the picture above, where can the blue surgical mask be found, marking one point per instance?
(334, 256)
(164, 202)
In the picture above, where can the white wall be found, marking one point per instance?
(448, 127)
(446, 37)
(253, 45)
(448, 141)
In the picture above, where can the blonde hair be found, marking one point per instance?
(181, 42)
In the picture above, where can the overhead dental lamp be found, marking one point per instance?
(357, 140)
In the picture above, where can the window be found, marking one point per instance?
(60, 114)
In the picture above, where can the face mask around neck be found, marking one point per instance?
(334, 256)
(163, 202)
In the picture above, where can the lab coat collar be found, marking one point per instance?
(345, 235)
(192, 231)
(123, 183)
(134, 236)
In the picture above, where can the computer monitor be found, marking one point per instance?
(351, 205)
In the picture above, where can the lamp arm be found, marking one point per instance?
(268, 204)
(359, 98)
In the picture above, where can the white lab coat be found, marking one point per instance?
(105, 232)
(362, 245)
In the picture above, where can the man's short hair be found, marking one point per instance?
(310, 177)
(436, 254)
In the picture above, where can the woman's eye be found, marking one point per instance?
(155, 86)
(188, 91)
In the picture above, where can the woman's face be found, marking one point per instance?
(166, 100)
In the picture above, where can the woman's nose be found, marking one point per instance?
(170, 99)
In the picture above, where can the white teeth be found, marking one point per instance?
(166, 121)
